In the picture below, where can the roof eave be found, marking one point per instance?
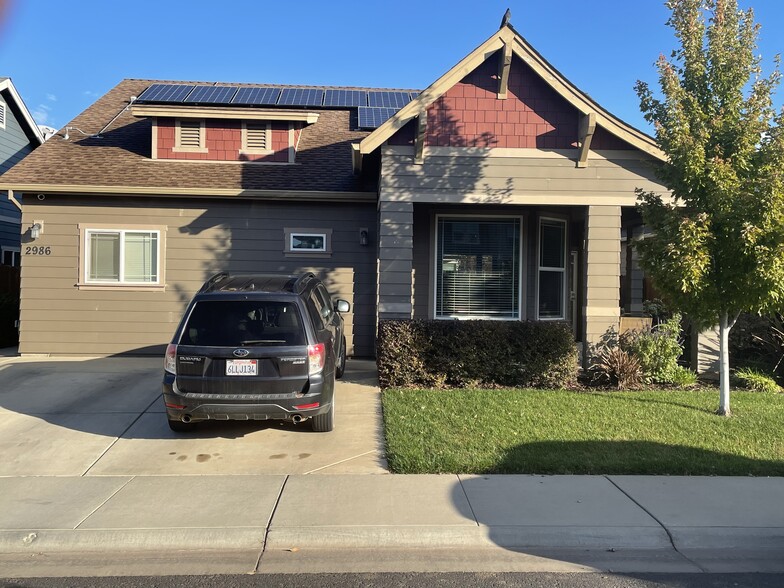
(6, 85)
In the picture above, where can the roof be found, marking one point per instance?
(10, 94)
(508, 38)
(120, 161)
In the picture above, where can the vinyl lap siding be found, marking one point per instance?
(14, 143)
(202, 239)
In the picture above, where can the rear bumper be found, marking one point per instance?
(194, 407)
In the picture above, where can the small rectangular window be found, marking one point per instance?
(10, 256)
(122, 257)
(308, 242)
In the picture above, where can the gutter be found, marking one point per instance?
(14, 200)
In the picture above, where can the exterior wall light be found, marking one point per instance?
(36, 230)
(363, 237)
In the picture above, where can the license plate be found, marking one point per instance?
(242, 367)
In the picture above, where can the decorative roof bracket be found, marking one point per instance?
(504, 66)
(586, 131)
(419, 144)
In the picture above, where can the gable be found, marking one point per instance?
(504, 94)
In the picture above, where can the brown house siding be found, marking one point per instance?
(202, 237)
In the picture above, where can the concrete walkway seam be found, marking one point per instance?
(269, 524)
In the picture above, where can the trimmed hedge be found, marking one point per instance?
(460, 354)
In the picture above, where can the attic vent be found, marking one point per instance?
(190, 134)
(256, 137)
(2, 115)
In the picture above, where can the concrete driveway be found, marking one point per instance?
(77, 417)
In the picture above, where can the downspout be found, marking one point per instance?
(14, 200)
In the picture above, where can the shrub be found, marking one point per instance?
(756, 380)
(613, 366)
(683, 377)
(459, 354)
(657, 350)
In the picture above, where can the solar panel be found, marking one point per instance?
(414, 95)
(257, 96)
(345, 98)
(371, 117)
(165, 93)
(389, 99)
(301, 97)
(212, 94)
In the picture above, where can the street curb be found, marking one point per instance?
(745, 538)
(474, 536)
(114, 540)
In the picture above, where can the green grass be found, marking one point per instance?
(568, 432)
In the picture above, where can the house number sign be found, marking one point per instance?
(35, 250)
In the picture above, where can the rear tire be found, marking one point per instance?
(180, 427)
(340, 367)
(325, 422)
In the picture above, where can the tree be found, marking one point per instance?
(717, 247)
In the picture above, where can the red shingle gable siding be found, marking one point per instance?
(223, 140)
(533, 116)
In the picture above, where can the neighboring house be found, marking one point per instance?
(501, 191)
(19, 135)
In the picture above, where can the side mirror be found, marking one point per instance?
(342, 306)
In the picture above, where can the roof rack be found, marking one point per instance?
(219, 277)
(300, 282)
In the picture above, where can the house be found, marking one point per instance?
(501, 191)
(19, 135)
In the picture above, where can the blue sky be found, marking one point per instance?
(63, 55)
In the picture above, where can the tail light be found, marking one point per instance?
(316, 356)
(170, 360)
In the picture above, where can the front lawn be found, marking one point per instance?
(569, 432)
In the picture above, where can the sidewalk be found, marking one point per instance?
(92, 481)
(694, 523)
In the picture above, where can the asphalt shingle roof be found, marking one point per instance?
(122, 157)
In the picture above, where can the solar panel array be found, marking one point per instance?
(371, 117)
(374, 107)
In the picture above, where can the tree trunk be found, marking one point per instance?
(724, 365)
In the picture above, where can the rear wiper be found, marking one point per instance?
(262, 341)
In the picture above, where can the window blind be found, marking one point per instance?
(478, 268)
(105, 256)
(141, 257)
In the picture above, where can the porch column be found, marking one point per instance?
(395, 258)
(601, 310)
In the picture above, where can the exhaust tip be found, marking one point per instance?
(186, 418)
(297, 418)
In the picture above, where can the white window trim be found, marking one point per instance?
(179, 148)
(17, 257)
(244, 147)
(541, 268)
(293, 249)
(521, 268)
(84, 257)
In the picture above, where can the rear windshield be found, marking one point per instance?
(230, 323)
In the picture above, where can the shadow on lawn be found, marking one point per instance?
(628, 457)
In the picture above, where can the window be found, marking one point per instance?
(256, 137)
(551, 293)
(478, 268)
(307, 242)
(189, 136)
(11, 256)
(122, 256)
